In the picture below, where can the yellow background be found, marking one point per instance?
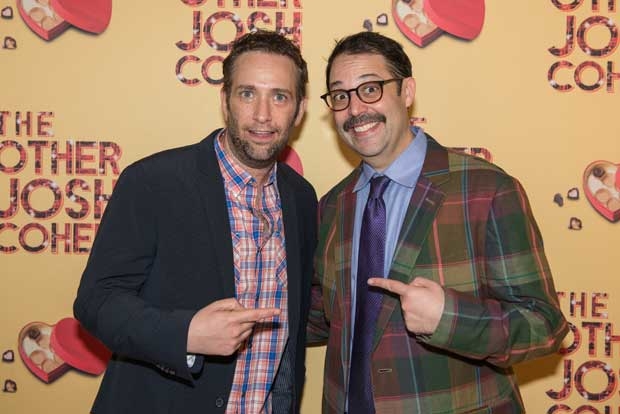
(491, 92)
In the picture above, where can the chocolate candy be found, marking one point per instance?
(38, 357)
(7, 12)
(37, 14)
(613, 204)
(574, 224)
(8, 356)
(33, 333)
(412, 21)
(10, 386)
(603, 195)
(49, 22)
(598, 172)
(573, 194)
(49, 365)
(9, 43)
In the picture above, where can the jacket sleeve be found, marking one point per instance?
(108, 302)
(318, 329)
(515, 313)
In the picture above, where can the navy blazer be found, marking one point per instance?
(162, 252)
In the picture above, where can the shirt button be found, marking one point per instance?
(219, 402)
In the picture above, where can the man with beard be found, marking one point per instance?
(199, 277)
(430, 275)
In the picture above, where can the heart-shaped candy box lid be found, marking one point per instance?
(461, 18)
(78, 348)
(92, 15)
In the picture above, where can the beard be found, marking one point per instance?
(252, 155)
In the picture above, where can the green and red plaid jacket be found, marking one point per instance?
(470, 228)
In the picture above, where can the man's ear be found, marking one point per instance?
(409, 90)
(224, 104)
(301, 110)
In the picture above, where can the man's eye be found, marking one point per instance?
(280, 97)
(246, 94)
(370, 89)
(339, 96)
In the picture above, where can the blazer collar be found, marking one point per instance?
(211, 187)
(294, 271)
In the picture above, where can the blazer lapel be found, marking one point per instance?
(211, 187)
(344, 237)
(293, 259)
(425, 201)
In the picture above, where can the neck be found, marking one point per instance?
(382, 161)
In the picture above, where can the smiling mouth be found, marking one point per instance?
(365, 127)
(261, 133)
(363, 122)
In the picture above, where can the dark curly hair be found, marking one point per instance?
(376, 44)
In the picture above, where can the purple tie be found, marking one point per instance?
(370, 264)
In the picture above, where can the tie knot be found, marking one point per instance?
(377, 186)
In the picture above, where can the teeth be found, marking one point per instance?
(365, 127)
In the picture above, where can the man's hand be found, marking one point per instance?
(422, 302)
(221, 327)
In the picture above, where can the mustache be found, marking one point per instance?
(362, 119)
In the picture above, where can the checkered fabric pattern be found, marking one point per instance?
(255, 216)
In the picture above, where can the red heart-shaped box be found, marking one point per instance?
(49, 18)
(461, 18)
(51, 350)
(412, 21)
(290, 157)
(601, 184)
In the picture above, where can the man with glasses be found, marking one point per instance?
(430, 275)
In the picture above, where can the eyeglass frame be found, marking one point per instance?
(380, 82)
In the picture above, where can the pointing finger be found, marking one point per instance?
(255, 315)
(391, 285)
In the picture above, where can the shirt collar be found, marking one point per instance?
(405, 169)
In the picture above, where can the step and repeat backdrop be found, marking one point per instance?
(88, 87)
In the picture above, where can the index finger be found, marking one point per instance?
(391, 285)
(255, 315)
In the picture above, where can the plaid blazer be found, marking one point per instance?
(470, 228)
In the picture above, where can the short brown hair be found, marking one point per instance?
(268, 42)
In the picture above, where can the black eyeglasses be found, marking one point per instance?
(368, 92)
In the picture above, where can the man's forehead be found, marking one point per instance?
(360, 66)
(260, 70)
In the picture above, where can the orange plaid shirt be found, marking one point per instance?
(260, 281)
